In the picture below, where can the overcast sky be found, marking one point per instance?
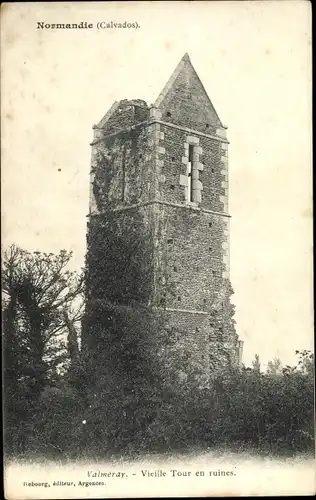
(254, 59)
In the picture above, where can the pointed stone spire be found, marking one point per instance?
(185, 90)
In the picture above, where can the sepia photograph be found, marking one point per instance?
(157, 268)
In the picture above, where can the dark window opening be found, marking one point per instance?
(173, 159)
(210, 249)
(175, 268)
(204, 301)
(140, 156)
(209, 224)
(190, 153)
(207, 125)
(179, 299)
(190, 168)
(123, 173)
(213, 170)
(213, 273)
(172, 187)
(169, 240)
(168, 113)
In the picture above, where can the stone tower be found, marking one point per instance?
(161, 173)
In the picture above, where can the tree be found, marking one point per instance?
(39, 303)
(256, 365)
(274, 367)
(306, 362)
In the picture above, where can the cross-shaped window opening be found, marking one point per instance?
(189, 173)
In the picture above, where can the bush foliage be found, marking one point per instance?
(126, 396)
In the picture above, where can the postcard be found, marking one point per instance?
(157, 249)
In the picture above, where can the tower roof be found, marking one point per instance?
(185, 85)
(183, 101)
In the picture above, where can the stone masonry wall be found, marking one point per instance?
(191, 335)
(191, 265)
(213, 173)
(121, 172)
(140, 167)
(187, 104)
(124, 114)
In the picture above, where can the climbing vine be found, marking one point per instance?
(119, 172)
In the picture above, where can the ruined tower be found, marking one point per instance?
(160, 176)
